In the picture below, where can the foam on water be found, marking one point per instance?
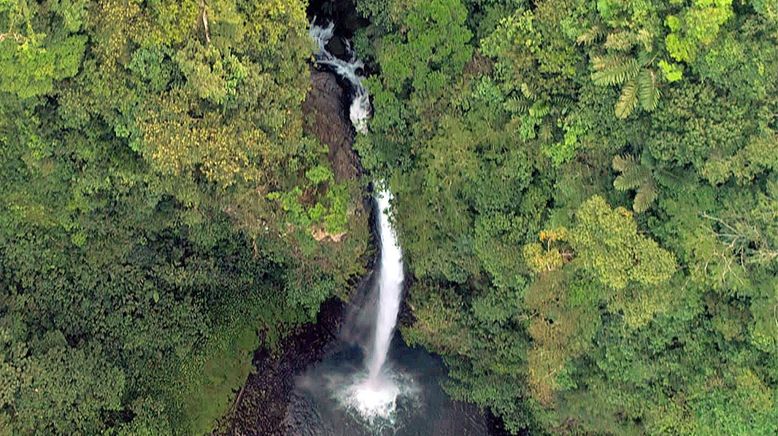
(359, 111)
(375, 399)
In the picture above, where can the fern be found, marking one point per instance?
(517, 104)
(620, 41)
(589, 36)
(644, 197)
(635, 176)
(632, 174)
(614, 70)
(562, 100)
(545, 133)
(623, 163)
(674, 180)
(529, 90)
(628, 100)
(648, 93)
(647, 39)
(628, 62)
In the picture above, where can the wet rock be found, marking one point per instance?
(342, 12)
(261, 406)
(336, 47)
(326, 119)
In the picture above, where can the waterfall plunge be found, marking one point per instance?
(372, 394)
(390, 283)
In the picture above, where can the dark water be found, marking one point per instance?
(314, 409)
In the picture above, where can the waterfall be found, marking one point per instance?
(375, 393)
(390, 282)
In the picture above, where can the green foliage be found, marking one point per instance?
(695, 26)
(605, 322)
(331, 213)
(606, 241)
(139, 253)
(69, 390)
(672, 72)
(614, 70)
(435, 37)
(34, 57)
(161, 206)
(639, 83)
(637, 176)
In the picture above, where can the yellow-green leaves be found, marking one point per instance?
(607, 242)
(33, 56)
(212, 74)
(671, 71)
(695, 27)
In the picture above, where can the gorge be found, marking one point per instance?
(364, 381)
(373, 395)
(201, 207)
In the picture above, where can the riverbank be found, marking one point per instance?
(260, 406)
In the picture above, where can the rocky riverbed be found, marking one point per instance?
(260, 407)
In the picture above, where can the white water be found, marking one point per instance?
(372, 394)
(359, 111)
(390, 282)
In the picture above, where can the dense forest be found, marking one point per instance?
(586, 193)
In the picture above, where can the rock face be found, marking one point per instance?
(326, 119)
(342, 12)
(260, 408)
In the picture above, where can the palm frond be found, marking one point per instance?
(628, 100)
(638, 176)
(529, 90)
(648, 93)
(620, 41)
(517, 104)
(647, 39)
(589, 36)
(633, 173)
(614, 70)
(622, 163)
(645, 196)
